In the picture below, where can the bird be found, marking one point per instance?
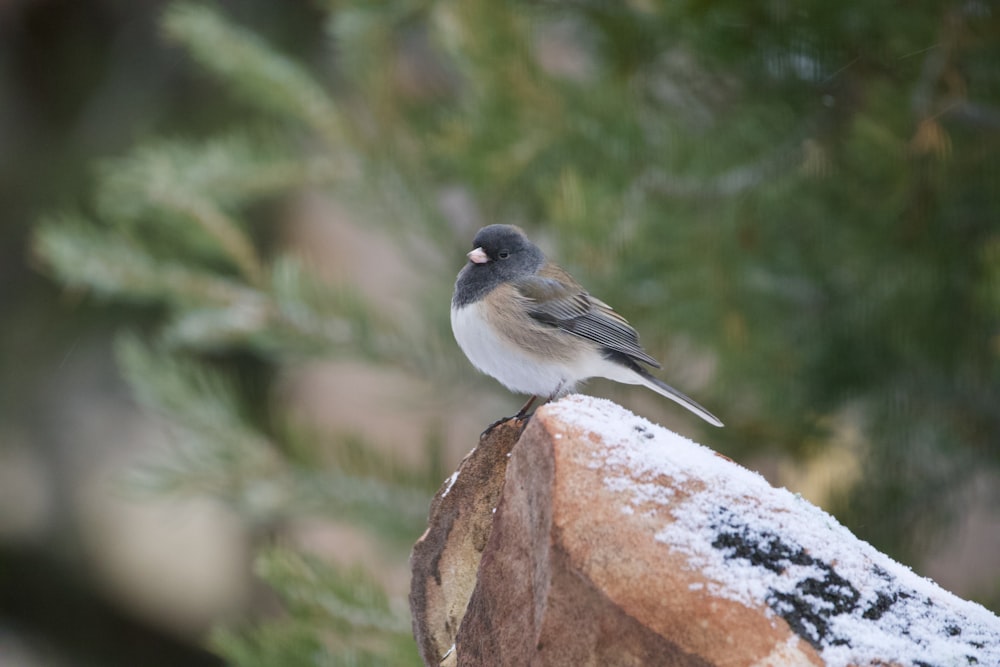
(526, 322)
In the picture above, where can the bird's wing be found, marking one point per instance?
(558, 300)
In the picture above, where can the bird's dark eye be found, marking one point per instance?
(503, 254)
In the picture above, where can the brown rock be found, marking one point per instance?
(531, 604)
(616, 542)
(446, 558)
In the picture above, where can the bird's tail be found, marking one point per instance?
(665, 389)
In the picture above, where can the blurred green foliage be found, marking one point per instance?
(359, 625)
(802, 194)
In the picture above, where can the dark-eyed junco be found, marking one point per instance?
(526, 322)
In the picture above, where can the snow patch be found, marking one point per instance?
(763, 546)
(450, 483)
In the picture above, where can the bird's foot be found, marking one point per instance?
(522, 421)
(522, 417)
(524, 408)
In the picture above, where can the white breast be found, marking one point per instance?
(504, 361)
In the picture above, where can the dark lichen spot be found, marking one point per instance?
(800, 616)
(761, 549)
(883, 602)
(814, 601)
(832, 589)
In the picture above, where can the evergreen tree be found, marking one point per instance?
(803, 197)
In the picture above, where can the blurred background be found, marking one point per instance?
(228, 387)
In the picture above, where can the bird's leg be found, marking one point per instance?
(524, 408)
(520, 416)
(523, 412)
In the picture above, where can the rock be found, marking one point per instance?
(616, 542)
(446, 558)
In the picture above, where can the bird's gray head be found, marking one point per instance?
(501, 253)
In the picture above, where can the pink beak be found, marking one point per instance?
(477, 256)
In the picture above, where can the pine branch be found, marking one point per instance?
(335, 617)
(255, 72)
(82, 256)
(351, 597)
(218, 453)
(231, 170)
(181, 188)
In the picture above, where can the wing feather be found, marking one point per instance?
(559, 301)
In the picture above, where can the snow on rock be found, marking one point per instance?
(766, 548)
(590, 536)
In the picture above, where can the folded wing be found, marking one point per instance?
(560, 302)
